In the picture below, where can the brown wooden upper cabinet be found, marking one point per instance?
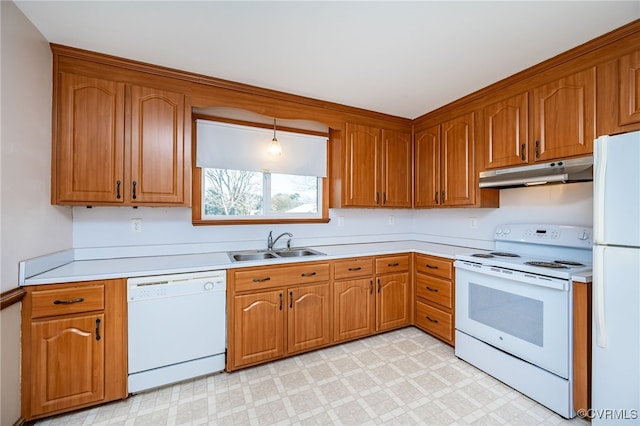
(629, 96)
(119, 144)
(506, 134)
(444, 164)
(377, 167)
(564, 117)
(562, 123)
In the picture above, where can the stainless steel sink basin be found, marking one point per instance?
(246, 255)
(297, 252)
(239, 257)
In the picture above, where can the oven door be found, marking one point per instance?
(522, 314)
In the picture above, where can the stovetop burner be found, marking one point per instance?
(483, 255)
(504, 254)
(552, 265)
(569, 263)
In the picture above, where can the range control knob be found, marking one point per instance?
(208, 286)
(584, 235)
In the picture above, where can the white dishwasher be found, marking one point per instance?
(177, 328)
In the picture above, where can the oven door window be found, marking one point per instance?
(518, 316)
(528, 321)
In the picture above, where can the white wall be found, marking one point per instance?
(30, 226)
(570, 204)
(105, 231)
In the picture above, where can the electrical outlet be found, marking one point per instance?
(340, 220)
(136, 225)
(392, 219)
(473, 223)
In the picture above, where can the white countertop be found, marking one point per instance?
(87, 270)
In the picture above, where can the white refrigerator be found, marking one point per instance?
(615, 388)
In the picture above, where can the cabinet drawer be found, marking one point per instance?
(434, 321)
(352, 268)
(437, 266)
(391, 264)
(434, 289)
(268, 277)
(73, 300)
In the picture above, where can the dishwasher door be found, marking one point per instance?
(177, 328)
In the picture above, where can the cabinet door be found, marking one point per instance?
(157, 147)
(427, 167)
(259, 327)
(308, 317)
(630, 88)
(397, 167)
(392, 301)
(506, 132)
(458, 185)
(362, 166)
(564, 117)
(353, 309)
(67, 360)
(89, 147)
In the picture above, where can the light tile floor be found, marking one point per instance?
(403, 377)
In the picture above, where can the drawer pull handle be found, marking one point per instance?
(261, 280)
(431, 266)
(393, 264)
(379, 286)
(68, 302)
(308, 274)
(291, 300)
(371, 287)
(97, 328)
(355, 269)
(435, 290)
(430, 319)
(280, 301)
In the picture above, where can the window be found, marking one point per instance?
(234, 194)
(235, 182)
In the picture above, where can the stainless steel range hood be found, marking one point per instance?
(564, 171)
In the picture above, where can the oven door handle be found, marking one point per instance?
(522, 277)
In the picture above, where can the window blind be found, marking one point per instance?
(231, 146)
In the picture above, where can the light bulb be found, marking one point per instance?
(274, 148)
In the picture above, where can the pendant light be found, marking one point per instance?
(274, 149)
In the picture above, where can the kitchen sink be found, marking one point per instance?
(297, 252)
(247, 255)
(239, 257)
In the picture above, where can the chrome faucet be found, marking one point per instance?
(271, 242)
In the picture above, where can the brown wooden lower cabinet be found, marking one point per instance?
(581, 346)
(276, 311)
(73, 346)
(435, 296)
(353, 310)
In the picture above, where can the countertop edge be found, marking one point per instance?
(77, 271)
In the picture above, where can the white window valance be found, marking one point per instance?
(232, 146)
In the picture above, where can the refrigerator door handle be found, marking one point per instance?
(598, 296)
(599, 186)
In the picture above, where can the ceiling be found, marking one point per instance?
(397, 57)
